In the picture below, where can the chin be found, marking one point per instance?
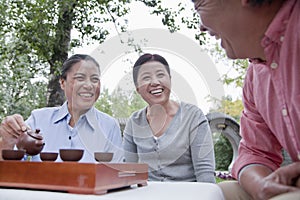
(87, 105)
(233, 56)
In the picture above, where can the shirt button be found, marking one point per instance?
(274, 65)
(281, 38)
(266, 41)
(284, 112)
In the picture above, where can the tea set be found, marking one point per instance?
(30, 143)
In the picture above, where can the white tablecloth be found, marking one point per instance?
(153, 191)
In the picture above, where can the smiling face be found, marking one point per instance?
(235, 23)
(154, 83)
(82, 86)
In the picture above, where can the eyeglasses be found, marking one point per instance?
(197, 6)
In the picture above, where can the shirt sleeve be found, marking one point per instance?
(258, 144)
(129, 146)
(202, 150)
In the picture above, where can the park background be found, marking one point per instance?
(36, 36)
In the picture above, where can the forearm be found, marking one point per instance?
(251, 177)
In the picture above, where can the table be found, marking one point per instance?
(153, 191)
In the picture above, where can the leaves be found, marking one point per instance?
(229, 107)
(35, 38)
(223, 153)
(22, 84)
(120, 104)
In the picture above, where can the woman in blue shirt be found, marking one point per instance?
(75, 124)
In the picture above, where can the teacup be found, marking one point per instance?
(103, 156)
(71, 154)
(10, 154)
(48, 156)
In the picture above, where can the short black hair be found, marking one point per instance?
(146, 58)
(67, 65)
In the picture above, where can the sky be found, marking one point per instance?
(194, 73)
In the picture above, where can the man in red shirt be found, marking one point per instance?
(268, 33)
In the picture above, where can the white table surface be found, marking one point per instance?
(153, 191)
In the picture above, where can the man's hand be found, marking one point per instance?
(260, 183)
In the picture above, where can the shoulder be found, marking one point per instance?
(138, 116)
(43, 116)
(188, 109)
(47, 111)
(258, 74)
(137, 119)
(255, 69)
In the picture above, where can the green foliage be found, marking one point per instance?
(240, 68)
(218, 180)
(223, 152)
(236, 68)
(120, 104)
(44, 27)
(22, 79)
(104, 102)
(223, 149)
(229, 107)
(136, 102)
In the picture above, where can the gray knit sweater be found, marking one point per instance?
(183, 153)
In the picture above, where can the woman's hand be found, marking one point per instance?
(11, 128)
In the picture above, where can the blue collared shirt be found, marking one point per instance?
(94, 131)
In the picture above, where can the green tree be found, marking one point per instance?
(223, 152)
(222, 147)
(229, 107)
(236, 68)
(120, 104)
(104, 102)
(136, 102)
(21, 85)
(45, 27)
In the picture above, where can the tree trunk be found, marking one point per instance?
(61, 48)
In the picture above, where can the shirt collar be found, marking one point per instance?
(63, 112)
(90, 116)
(276, 30)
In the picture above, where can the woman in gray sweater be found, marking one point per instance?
(173, 138)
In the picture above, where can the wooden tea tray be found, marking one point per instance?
(73, 177)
